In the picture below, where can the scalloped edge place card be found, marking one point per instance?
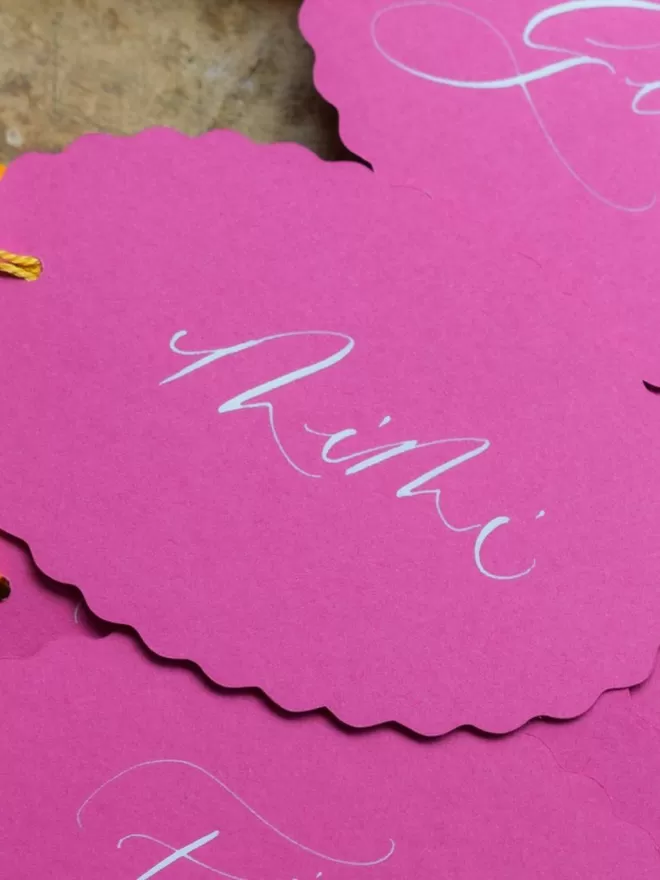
(529, 124)
(293, 428)
(34, 614)
(115, 768)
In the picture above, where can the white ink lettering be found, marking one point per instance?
(184, 853)
(487, 530)
(522, 80)
(240, 401)
(413, 488)
(644, 89)
(363, 459)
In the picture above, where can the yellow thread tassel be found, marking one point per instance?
(27, 268)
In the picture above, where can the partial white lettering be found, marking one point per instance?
(358, 461)
(523, 79)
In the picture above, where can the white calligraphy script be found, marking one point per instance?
(184, 853)
(522, 79)
(254, 399)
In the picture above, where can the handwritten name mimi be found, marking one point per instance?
(185, 853)
(519, 79)
(353, 462)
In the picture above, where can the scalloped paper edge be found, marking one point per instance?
(46, 558)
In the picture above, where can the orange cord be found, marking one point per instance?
(16, 265)
(26, 268)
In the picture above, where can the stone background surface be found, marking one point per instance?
(68, 67)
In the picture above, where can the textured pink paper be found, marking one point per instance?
(617, 744)
(111, 766)
(540, 120)
(35, 613)
(521, 579)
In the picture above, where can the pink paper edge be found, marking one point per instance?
(311, 27)
(58, 648)
(45, 557)
(105, 610)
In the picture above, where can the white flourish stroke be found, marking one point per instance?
(413, 488)
(177, 854)
(239, 800)
(367, 458)
(240, 401)
(522, 79)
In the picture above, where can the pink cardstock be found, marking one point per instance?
(35, 613)
(276, 416)
(117, 769)
(617, 744)
(528, 122)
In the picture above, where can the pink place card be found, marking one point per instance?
(278, 417)
(116, 768)
(37, 611)
(532, 122)
(617, 744)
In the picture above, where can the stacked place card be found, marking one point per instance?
(382, 443)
